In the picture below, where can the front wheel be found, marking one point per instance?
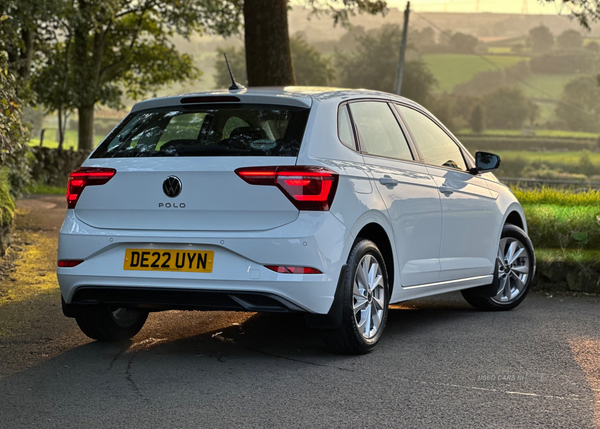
(515, 267)
(104, 323)
(365, 302)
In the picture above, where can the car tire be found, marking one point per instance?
(365, 298)
(515, 268)
(104, 323)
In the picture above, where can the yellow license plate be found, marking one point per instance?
(191, 261)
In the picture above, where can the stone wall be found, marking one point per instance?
(52, 166)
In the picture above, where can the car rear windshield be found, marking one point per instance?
(232, 130)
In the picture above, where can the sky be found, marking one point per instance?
(497, 6)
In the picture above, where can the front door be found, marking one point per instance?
(469, 238)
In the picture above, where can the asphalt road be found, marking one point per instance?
(440, 363)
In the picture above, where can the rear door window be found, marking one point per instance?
(238, 130)
(379, 131)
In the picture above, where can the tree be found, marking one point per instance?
(585, 11)
(373, 65)
(237, 62)
(13, 133)
(533, 112)
(268, 55)
(517, 48)
(349, 42)
(24, 27)
(570, 39)
(51, 86)
(593, 46)
(476, 120)
(266, 35)
(463, 43)
(579, 107)
(310, 66)
(126, 45)
(506, 108)
(541, 38)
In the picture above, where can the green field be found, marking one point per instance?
(452, 69)
(545, 85)
(499, 50)
(69, 143)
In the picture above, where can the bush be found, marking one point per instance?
(477, 120)
(506, 108)
(583, 61)
(7, 205)
(558, 197)
(560, 227)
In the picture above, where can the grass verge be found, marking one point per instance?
(41, 188)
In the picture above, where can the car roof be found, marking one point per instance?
(299, 96)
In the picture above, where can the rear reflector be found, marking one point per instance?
(307, 187)
(69, 263)
(293, 270)
(86, 176)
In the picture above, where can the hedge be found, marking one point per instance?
(495, 143)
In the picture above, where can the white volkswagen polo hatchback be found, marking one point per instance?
(332, 203)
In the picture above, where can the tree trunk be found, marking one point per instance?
(86, 127)
(61, 128)
(268, 56)
(27, 35)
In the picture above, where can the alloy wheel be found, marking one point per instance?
(368, 296)
(513, 270)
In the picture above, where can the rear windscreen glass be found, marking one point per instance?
(232, 130)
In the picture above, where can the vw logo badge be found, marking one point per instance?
(172, 186)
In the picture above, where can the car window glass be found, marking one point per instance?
(231, 124)
(345, 128)
(180, 127)
(379, 130)
(240, 130)
(436, 146)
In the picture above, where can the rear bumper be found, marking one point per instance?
(239, 280)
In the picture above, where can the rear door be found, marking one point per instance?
(410, 194)
(196, 150)
(469, 233)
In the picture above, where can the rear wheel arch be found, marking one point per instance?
(378, 235)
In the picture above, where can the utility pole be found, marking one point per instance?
(400, 68)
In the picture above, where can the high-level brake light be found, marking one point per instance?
(307, 187)
(86, 176)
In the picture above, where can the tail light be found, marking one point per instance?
(293, 270)
(307, 187)
(86, 176)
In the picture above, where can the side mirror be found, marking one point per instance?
(485, 161)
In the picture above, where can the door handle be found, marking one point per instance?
(388, 181)
(446, 190)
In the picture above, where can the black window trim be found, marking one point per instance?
(363, 151)
(467, 159)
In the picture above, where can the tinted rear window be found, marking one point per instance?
(231, 130)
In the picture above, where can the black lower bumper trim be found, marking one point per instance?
(154, 299)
